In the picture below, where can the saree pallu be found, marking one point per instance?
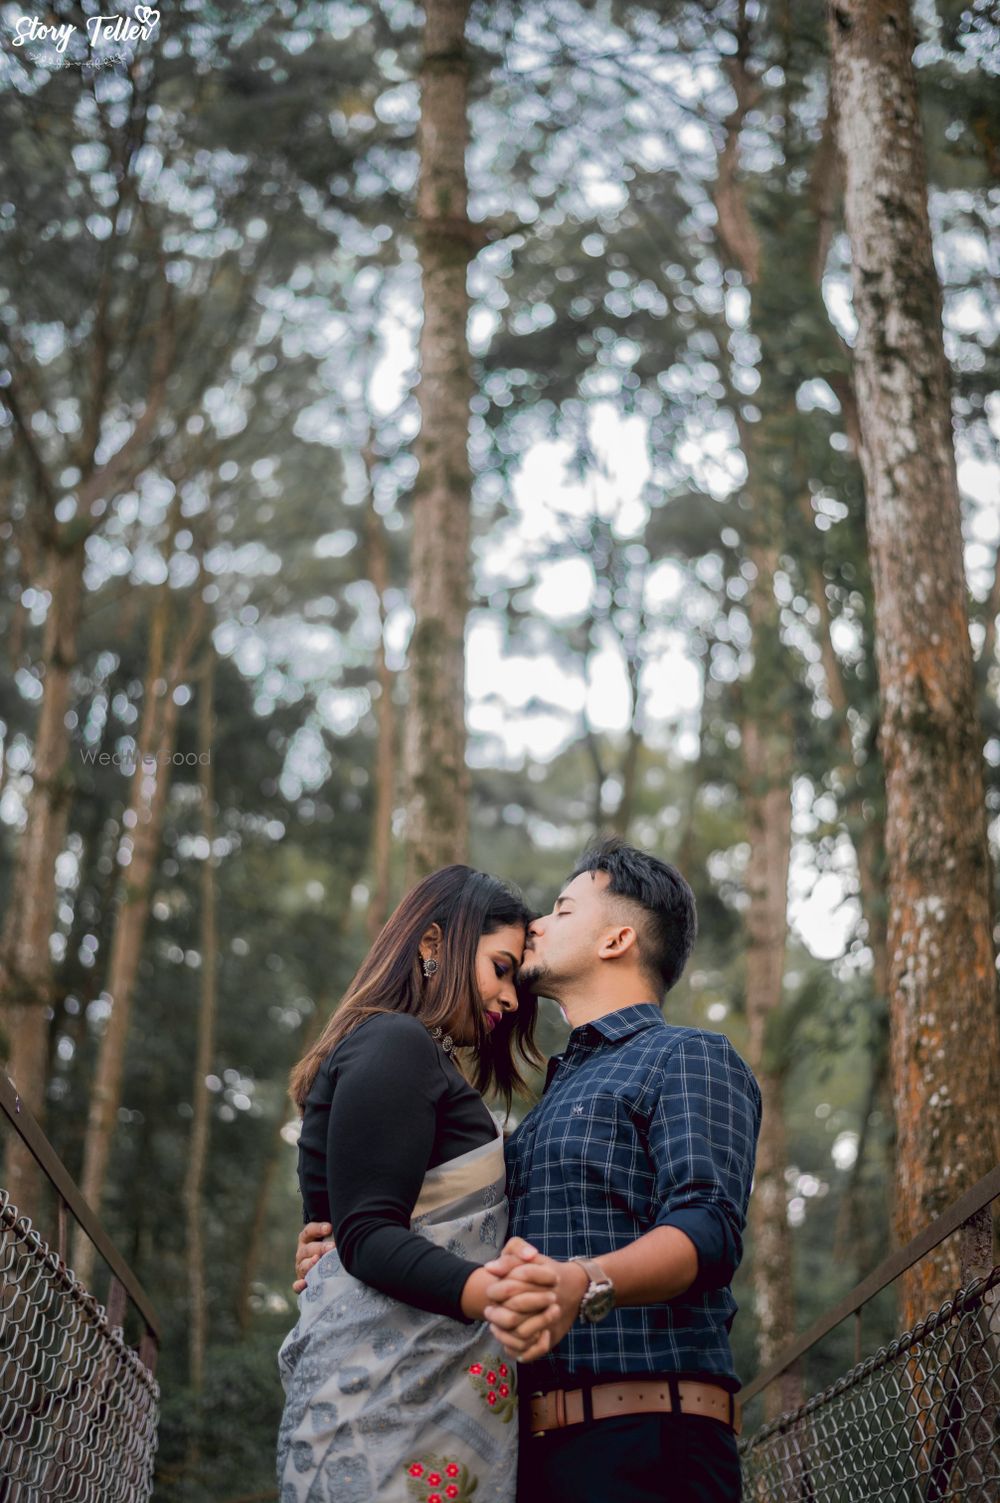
(386, 1402)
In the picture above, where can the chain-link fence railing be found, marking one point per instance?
(919, 1422)
(78, 1408)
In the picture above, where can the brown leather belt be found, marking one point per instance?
(565, 1406)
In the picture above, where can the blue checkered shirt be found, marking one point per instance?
(641, 1124)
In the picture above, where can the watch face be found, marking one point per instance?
(597, 1305)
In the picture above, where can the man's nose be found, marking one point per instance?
(535, 928)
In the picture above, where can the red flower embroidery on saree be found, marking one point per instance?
(437, 1479)
(496, 1387)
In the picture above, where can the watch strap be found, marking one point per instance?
(593, 1270)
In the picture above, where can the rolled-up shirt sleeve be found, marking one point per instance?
(702, 1140)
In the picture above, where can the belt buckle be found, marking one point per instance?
(561, 1420)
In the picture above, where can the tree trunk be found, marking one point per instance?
(945, 1048)
(767, 758)
(201, 1098)
(385, 715)
(870, 848)
(72, 976)
(436, 774)
(140, 845)
(254, 1241)
(625, 811)
(767, 764)
(26, 967)
(633, 740)
(277, 1154)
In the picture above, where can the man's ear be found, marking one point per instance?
(430, 942)
(618, 942)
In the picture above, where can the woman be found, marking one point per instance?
(394, 1389)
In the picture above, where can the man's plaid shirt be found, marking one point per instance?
(642, 1124)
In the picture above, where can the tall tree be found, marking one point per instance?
(138, 855)
(766, 744)
(945, 1037)
(434, 744)
(385, 714)
(26, 979)
(200, 1094)
(765, 718)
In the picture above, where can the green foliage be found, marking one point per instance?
(211, 1443)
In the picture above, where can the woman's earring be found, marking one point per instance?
(430, 966)
(447, 1042)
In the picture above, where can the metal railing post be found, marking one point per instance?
(61, 1239)
(976, 1361)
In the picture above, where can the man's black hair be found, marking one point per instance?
(667, 933)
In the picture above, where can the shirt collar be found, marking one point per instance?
(615, 1026)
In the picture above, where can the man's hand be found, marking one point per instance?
(315, 1239)
(524, 1336)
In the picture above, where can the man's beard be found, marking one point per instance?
(531, 976)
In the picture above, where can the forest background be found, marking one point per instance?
(351, 354)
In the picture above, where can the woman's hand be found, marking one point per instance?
(535, 1292)
(315, 1239)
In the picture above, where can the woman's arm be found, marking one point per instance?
(384, 1119)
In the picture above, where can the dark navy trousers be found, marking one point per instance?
(634, 1458)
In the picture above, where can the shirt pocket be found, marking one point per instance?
(606, 1164)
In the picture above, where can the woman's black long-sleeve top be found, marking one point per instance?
(387, 1105)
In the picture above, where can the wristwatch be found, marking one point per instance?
(599, 1297)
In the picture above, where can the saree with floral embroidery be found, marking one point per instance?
(387, 1402)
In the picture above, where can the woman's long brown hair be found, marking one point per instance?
(466, 904)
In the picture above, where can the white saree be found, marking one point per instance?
(386, 1402)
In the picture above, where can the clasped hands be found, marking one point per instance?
(531, 1305)
(524, 1275)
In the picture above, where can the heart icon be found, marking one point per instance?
(147, 17)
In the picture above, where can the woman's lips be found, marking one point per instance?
(492, 1019)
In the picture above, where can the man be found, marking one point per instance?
(638, 1160)
(633, 1176)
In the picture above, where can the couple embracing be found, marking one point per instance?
(545, 1318)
